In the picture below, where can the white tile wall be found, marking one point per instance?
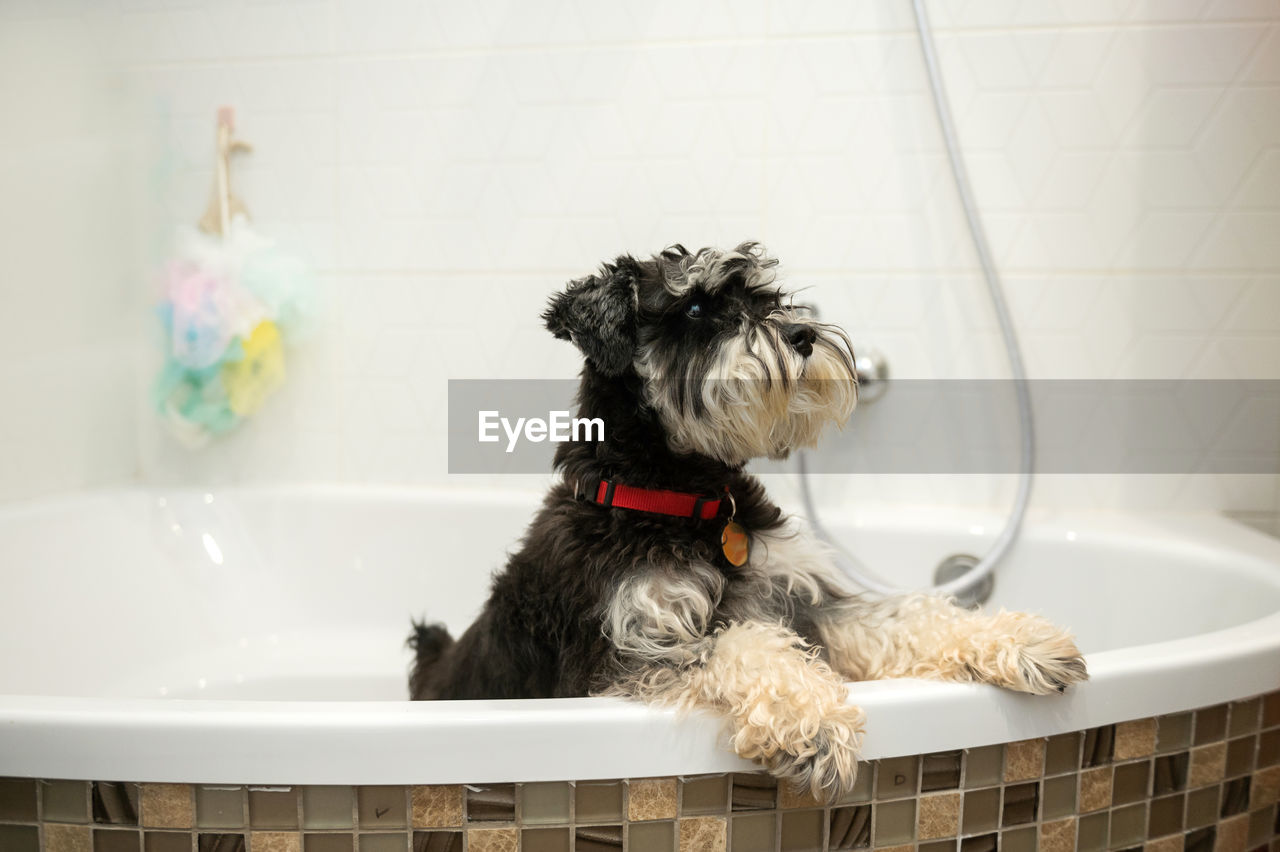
(447, 165)
(70, 315)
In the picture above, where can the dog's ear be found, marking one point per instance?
(598, 313)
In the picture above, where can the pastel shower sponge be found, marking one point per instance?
(229, 307)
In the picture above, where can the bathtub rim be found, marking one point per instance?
(450, 742)
(290, 742)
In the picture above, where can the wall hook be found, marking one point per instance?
(223, 206)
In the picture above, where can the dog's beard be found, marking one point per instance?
(754, 395)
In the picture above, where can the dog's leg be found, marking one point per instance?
(927, 636)
(787, 708)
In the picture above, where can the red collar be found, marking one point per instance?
(676, 503)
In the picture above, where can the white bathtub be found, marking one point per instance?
(258, 635)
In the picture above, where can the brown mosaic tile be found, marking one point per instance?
(1271, 710)
(1164, 816)
(789, 798)
(948, 845)
(1129, 826)
(1021, 804)
(65, 801)
(1211, 724)
(228, 842)
(391, 842)
(323, 807)
(381, 807)
(170, 841)
(1240, 754)
(547, 840)
(275, 841)
(111, 840)
(1202, 807)
(545, 804)
(702, 795)
(115, 803)
(1233, 834)
(1235, 796)
(893, 822)
(19, 838)
(1058, 798)
(1092, 832)
(1243, 717)
(850, 828)
(651, 798)
(1260, 827)
(18, 800)
(951, 844)
(1201, 840)
(167, 805)
(983, 767)
(1208, 765)
(897, 777)
(1173, 732)
(437, 841)
(437, 806)
(1058, 836)
(981, 811)
(703, 834)
(1269, 748)
(753, 833)
(1018, 840)
(1132, 783)
(906, 847)
(801, 831)
(68, 838)
(938, 815)
(1062, 754)
(602, 801)
(940, 771)
(1164, 844)
(753, 792)
(980, 843)
(1023, 760)
(655, 836)
(273, 807)
(863, 785)
(1266, 787)
(1135, 739)
(491, 803)
(493, 840)
(1222, 793)
(1169, 773)
(1095, 789)
(1098, 746)
(221, 807)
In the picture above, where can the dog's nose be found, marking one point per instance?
(801, 337)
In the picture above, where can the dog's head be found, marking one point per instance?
(731, 367)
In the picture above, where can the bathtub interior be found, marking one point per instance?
(307, 595)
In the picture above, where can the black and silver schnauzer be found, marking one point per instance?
(658, 569)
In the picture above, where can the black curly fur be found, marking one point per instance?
(539, 634)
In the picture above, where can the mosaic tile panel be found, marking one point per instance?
(1205, 781)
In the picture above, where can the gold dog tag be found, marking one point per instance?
(736, 543)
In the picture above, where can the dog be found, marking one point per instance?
(659, 570)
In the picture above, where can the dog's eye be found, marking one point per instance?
(694, 311)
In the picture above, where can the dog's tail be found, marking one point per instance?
(429, 642)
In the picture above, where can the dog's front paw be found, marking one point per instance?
(1039, 657)
(825, 764)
